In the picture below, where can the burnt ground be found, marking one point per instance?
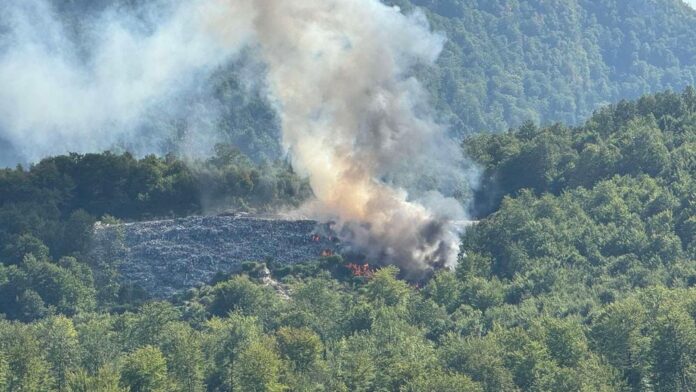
(169, 256)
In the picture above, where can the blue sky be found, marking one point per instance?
(691, 2)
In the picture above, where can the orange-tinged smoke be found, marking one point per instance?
(358, 124)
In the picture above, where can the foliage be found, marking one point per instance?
(145, 370)
(580, 279)
(54, 203)
(510, 61)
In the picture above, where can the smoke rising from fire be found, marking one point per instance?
(359, 126)
(338, 72)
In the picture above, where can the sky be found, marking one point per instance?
(691, 3)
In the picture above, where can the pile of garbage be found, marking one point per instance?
(169, 256)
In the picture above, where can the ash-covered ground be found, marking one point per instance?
(168, 256)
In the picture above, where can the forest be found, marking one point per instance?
(578, 274)
(509, 61)
(578, 277)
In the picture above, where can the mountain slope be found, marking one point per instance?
(167, 256)
(508, 61)
(583, 280)
(505, 62)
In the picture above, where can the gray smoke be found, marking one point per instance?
(338, 72)
(360, 126)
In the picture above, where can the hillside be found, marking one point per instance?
(505, 62)
(579, 277)
(167, 257)
(509, 61)
(121, 273)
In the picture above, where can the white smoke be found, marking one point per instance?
(354, 120)
(360, 127)
(116, 84)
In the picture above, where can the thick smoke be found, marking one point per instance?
(360, 127)
(120, 80)
(338, 72)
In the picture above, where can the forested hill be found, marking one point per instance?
(581, 279)
(505, 62)
(508, 61)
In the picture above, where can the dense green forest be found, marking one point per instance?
(579, 276)
(510, 61)
(57, 200)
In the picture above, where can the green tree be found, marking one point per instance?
(443, 382)
(3, 371)
(302, 347)
(479, 358)
(105, 380)
(224, 341)
(618, 335)
(385, 289)
(674, 352)
(242, 295)
(98, 341)
(643, 149)
(148, 325)
(26, 244)
(352, 363)
(77, 233)
(145, 370)
(565, 340)
(181, 346)
(258, 369)
(321, 303)
(27, 369)
(445, 290)
(59, 340)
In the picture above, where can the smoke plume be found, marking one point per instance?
(118, 78)
(359, 126)
(338, 72)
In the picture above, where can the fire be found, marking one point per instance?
(327, 253)
(361, 270)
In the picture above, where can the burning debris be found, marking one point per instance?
(361, 270)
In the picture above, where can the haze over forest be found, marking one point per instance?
(448, 195)
(504, 62)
